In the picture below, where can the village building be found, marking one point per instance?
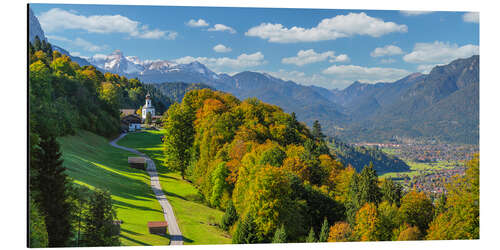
(131, 123)
(125, 112)
(137, 162)
(147, 108)
(157, 227)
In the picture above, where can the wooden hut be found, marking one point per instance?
(137, 162)
(157, 227)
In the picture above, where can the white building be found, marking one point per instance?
(147, 108)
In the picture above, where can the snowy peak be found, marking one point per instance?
(133, 66)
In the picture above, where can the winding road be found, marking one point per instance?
(173, 228)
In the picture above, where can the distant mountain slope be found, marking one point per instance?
(34, 28)
(442, 105)
(176, 90)
(303, 100)
(358, 157)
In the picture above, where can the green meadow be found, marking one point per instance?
(92, 162)
(196, 220)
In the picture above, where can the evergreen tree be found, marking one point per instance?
(148, 118)
(325, 231)
(353, 203)
(391, 192)
(50, 184)
(316, 131)
(99, 229)
(37, 44)
(246, 231)
(230, 216)
(368, 185)
(280, 235)
(311, 237)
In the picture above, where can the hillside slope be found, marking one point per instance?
(92, 162)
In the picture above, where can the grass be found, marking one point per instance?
(419, 168)
(92, 162)
(194, 218)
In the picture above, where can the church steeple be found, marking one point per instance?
(148, 101)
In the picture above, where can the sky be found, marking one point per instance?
(323, 47)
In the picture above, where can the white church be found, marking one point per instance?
(147, 108)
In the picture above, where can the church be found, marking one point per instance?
(147, 108)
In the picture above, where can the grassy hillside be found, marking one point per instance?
(92, 162)
(194, 218)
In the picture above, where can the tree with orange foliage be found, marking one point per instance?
(340, 232)
(367, 223)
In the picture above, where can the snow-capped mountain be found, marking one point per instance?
(158, 71)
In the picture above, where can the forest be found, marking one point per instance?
(275, 178)
(64, 98)
(277, 181)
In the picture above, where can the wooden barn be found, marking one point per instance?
(137, 162)
(157, 227)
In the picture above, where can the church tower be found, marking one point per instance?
(147, 108)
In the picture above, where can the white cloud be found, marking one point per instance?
(197, 23)
(220, 48)
(415, 12)
(387, 50)
(313, 79)
(79, 42)
(366, 74)
(388, 61)
(310, 56)
(222, 27)
(426, 68)
(328, 29)
(57, 38)
(471, 17)
(439, 52)
(88, 46)
(57, 20)
(219, 64)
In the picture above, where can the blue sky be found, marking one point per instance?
(328, 48)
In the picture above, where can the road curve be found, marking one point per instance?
(168, 212)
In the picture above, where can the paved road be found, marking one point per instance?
(168, 212)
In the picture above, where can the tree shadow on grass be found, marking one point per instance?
(143, 208)
(134, 240)
(178, 237)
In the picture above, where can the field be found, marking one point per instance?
(195, 219)
(92, 162)
(419, 168)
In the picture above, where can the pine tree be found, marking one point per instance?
(50, 186)
(37, 44)
(280, 235)
(246, 231)
(325, 230)
(148, 118)
(391, 192)
(368, 185)
(316, 131)
(99, 229)
(311, 237)
(230, 216)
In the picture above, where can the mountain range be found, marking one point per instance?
(442, 105)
